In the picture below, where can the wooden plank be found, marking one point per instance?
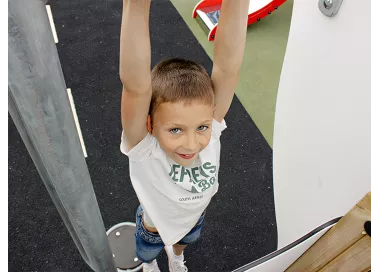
(366, 270)
(356, 258)
(339, 238)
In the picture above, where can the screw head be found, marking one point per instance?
(117, 233)
(327, 4)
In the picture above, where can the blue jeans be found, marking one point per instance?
(149, 244)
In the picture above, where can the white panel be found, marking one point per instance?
(255, 5)
(321, 149)
(284, 260)
(205, 19)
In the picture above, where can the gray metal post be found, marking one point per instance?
(39, 106)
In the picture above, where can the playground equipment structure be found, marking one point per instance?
(207, 13)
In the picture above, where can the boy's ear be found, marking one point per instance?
(149, 124)
(214, 108)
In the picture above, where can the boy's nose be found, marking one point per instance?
(191, 143)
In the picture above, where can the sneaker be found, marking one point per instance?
(151, 267)
(176, 263)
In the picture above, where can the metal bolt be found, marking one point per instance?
(136, 259)
(328, 3)
(117, 233)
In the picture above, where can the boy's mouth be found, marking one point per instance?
(187, 156)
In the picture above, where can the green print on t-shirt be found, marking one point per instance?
(203, 177)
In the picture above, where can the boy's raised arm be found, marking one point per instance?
(135, 60)
(229, 47)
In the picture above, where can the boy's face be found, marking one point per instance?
(183, 131)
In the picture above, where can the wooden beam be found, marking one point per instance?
(355, 258)
(339, 238)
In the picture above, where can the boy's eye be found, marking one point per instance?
(202, 128)
(175, 130)
(178, 130)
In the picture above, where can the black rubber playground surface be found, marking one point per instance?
(240, 223)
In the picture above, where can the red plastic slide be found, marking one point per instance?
(209, 11)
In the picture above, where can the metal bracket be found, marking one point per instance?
(367, 228)
(329, 7)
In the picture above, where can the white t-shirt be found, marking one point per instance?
(174, 196)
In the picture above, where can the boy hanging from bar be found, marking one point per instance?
(172, 119)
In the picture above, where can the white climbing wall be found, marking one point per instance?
(322, 124)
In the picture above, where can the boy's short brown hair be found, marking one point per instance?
(177, 79)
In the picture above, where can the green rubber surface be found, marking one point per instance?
(262, 64)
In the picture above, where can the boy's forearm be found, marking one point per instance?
(135, 55)
(231, 35)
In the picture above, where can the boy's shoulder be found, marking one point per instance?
(218, 127)
(145, 149)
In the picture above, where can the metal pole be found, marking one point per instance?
(39, 106)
